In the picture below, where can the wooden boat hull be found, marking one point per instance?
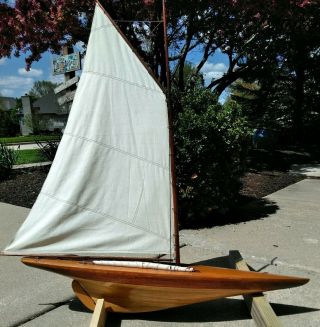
(138, 298)
(143, 290)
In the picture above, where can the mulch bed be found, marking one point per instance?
(24, 185)
(261, 183)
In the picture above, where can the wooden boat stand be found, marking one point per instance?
(259, 308)
(99, 315)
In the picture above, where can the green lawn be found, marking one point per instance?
(29, 156)
(29, 138)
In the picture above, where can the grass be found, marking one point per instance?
(29, 156)
(29, 138)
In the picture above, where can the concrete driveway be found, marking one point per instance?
(281, 235)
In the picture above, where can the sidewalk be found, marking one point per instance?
(35, 164)
(284, 241)
(24, 146)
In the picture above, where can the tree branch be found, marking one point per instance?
(227, 79)
(208, 51)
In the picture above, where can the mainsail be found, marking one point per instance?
(108, 192)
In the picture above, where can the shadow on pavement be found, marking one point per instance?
(224, 262)
(76, 305)
(253, 209)
(287, 310)
(227, 309)
(212, 311)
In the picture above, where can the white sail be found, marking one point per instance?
(108, 192)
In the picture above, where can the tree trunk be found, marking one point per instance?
(298, 114)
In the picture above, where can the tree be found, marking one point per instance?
(251, 34)
(248, 96)
(288, 73)
(191, 76)
(296, 50)
(37, 26)
(264, 40)
(1, 103)
(9, 124)
(41, 88)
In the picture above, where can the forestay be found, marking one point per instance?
(108, 192)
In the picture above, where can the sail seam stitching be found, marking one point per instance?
(102, 27)
(102, 214)
(117, 149)
(138, 205)
(122, 80)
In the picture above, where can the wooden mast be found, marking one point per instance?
(172, 166)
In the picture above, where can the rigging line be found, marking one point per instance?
(138, 21)
(151, 32)
(111, 147)
(103, 214)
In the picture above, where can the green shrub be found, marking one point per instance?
(8, 158)
(9, 123)
(210, 149)
(48, 148)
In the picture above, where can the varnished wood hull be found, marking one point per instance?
(143, 290)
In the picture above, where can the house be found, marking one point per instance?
(43, 115)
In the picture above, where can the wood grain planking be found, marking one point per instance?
(203, 277)
(137, 298)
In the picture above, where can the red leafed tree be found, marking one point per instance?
(31, 27)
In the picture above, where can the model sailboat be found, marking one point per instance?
(109, 195)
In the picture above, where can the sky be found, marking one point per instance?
(15, 81)
(214, 68)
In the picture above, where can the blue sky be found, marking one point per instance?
(15, 81)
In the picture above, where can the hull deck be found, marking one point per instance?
(141, 290)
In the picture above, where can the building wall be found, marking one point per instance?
(47, 104)
(46, 113)
(26, 118)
